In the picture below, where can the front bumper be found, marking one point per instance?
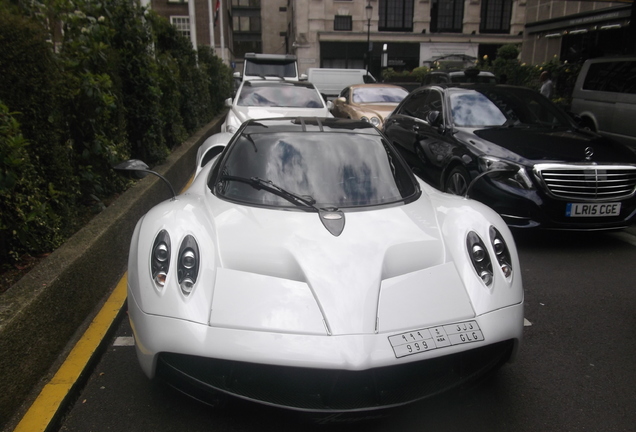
(315, 373)
(522, 209)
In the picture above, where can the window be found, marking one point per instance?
(612, 77)
(395, 15)
(447, 16)
(495, 16)
(182, 24)
(246, 3)
(246, 24)
(342, 23)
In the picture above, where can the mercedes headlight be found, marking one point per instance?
(506, 172)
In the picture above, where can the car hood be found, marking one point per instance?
(246, 113)
(547, 145)
(339, 279)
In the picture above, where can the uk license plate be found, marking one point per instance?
(427, 339)
(592, 209)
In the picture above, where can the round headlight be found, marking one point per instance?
(375, 121)
(161, 252)
(478, 253)
(188, 260)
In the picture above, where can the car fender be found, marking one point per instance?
(457, 217)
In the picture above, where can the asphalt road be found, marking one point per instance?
(575, 371)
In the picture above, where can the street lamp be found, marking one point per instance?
(368, 10)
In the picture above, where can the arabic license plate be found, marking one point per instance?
(426, 339)
(592, 209)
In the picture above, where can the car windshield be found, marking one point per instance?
(504, 106)
(328, 169)
(378, 94)
(265, 68)
(279, 95)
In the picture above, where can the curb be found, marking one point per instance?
(46, 312)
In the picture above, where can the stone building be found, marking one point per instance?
(401, 34)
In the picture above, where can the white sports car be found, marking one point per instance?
(307, 268)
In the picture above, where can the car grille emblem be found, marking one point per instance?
(589, 152)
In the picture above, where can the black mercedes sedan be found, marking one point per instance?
(514, 150)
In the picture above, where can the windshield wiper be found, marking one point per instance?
(267, 185)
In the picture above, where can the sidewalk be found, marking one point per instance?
(48, 310)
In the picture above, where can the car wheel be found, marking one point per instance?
(457, 181)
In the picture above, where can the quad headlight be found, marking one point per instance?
(506, 172)
(160, 258)
(188, 264)
(502, 254)
(481, 260)
(479, 257)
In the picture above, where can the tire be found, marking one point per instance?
(457, 181)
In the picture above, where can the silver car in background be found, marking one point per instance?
(604, 97)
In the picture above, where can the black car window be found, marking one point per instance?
(499, 106)
(335, 169)
(434, 102)
(420, 104)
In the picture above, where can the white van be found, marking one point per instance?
(330, 81)
(604, 96)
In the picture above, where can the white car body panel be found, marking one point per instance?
(275, 287)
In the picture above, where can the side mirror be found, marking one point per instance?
(303, 77)
(228, 102)
(140, 169)
(341, 100)
(434, 118)
(236, 75)
(329, 105)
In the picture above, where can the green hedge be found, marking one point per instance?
(116, 82)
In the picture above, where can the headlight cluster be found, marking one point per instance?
(373, 120)
(481, 259)
(187, 262)
(505, 171)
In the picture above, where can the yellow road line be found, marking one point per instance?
(50, 399)
(48, 402)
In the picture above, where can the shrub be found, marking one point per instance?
(28, 223)
(118, 82)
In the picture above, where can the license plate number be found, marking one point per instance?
(427, 339)
(592, 209)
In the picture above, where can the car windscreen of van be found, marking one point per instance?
(283, 69)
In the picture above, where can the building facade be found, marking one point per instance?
(574, 31)
(401, 34)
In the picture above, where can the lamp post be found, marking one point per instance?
(368, 10)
